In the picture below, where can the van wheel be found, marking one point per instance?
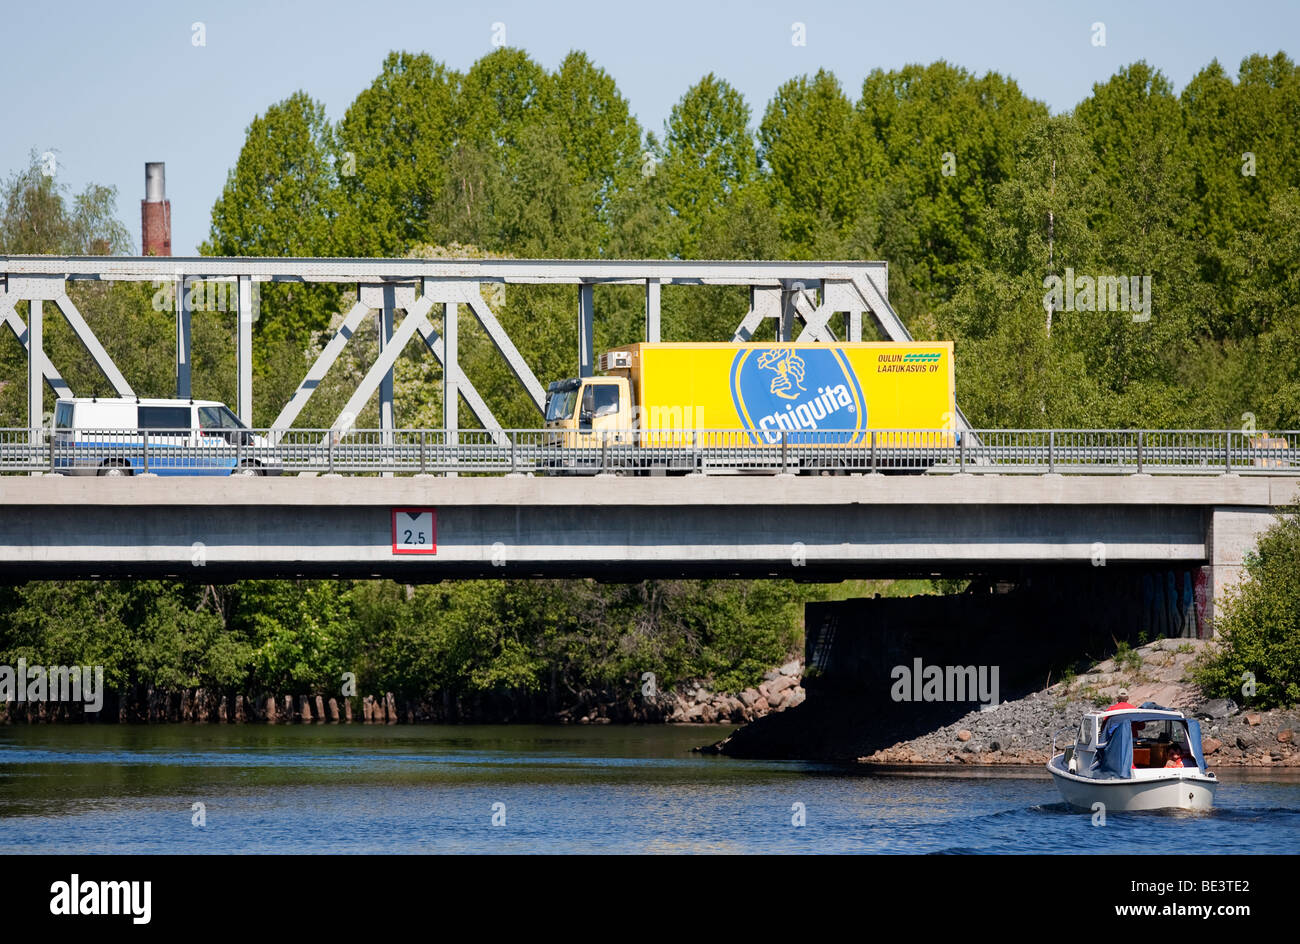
(115, 469)
(249, 468)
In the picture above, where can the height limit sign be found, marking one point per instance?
(415, 531)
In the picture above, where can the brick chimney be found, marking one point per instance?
(155, 212)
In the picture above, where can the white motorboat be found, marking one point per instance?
(1146, 758)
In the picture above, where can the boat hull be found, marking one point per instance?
(1176, 789)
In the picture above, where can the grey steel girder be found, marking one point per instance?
(96, 350)
(467, 390)
(52, 377)
(383, 366)
(516, 271)
(473, 297)
(321, 365)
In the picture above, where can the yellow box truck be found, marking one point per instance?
(760, 394)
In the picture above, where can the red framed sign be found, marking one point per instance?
(415, 531)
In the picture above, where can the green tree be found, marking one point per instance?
(1240, 137)
(144, 633)
(1259, 630)
(300, 633)
(709, 158)
(282, 199)
(1141, 216)
(1029, 375)
(35, 217)
(392, 156)
(71, 623)
(600, 137)
(1262, 270)
(818, 164)
(949, 139)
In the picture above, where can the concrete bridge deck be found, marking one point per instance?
(755, 490)
(809, 528)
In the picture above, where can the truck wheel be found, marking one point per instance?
(249, 468)
(115, 469)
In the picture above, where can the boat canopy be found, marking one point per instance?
(1114, 757)
(1194, 742)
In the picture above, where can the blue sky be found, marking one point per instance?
(108, 86)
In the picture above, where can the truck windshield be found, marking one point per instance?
(562, 404)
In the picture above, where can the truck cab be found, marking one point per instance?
(592, 405)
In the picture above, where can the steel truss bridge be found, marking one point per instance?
(801, 299)
(1222, 489)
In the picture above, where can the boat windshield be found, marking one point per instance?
(1160, 732)
(1155, 743)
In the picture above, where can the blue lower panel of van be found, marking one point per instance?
(163, 460)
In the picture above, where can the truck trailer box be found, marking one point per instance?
(827, 393)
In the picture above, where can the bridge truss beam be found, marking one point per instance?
(786, 292)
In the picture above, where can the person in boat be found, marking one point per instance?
(1175, 757)
(1125, 703)
(1122, 703)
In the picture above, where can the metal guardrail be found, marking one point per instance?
(559, 452)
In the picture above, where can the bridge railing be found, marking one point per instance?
(1134, 451)
(559, 452)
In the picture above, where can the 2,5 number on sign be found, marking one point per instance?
(415, 531)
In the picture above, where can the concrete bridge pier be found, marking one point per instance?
(1232, 533)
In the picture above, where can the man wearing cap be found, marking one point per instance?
(1123, 701)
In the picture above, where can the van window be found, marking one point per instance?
(218, 417)
(164, 417)
(63, 416)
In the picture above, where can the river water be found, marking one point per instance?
(408, 789)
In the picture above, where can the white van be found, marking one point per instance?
(128, 436)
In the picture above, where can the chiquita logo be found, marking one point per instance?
(811, 392)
